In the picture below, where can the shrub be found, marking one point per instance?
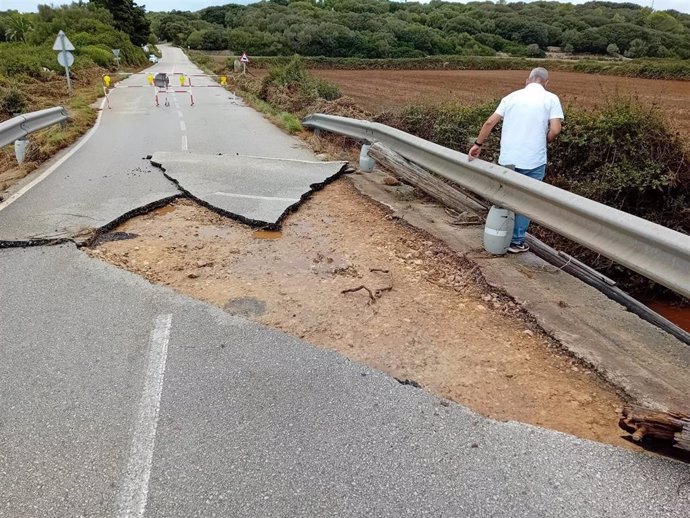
(100, 55)
(293, 89)
(17, 59)
(12, 101)
(613, 49)
(533, 51)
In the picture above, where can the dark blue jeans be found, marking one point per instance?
(522, 222)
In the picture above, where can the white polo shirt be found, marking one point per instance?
(526, 114)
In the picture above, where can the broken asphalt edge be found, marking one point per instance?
(265, 225)
(92, 235)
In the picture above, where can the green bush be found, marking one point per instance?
(12, 101)
(100, 55)
(19, 58)
(327, 90)
(293, 89)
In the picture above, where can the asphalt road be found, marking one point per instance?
(123, 398)
(109, 176)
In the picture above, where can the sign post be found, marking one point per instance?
(64, 57)
(116, 53)
(244, 60)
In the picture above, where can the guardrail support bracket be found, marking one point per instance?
(20, 147)
(366, 163)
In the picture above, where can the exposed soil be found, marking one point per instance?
(422, 315)
(377, 90)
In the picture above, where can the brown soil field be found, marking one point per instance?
(378, 90)
(426, 318)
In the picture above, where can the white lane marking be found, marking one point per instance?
(184, 142)
(21, 192)
(135, 487)
(254, 197)
(183, 126)
(179, 113)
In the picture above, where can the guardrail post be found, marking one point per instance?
(21, 145)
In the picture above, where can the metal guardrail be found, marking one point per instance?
(652, 250)
(22, 125)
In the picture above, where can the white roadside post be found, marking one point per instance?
(64, 57)
(21, 145)
(116, 53)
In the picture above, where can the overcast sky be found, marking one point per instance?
(194, 5)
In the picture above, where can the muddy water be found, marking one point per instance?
(268, 234)
(679, 316)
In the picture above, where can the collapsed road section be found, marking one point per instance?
(257, 191)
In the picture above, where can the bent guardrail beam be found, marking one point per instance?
(22, 125)
(652, 250)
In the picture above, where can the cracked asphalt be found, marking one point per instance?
(123, 398)
(110, 176)
(258, 191)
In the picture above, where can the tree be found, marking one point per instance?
(613, 49)
(129, 18)
(638, 49)
(533, 51)
(214, 39)
(17, 26)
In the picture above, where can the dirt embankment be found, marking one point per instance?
(378, 90)
(426, 318)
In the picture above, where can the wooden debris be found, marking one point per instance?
(672, 428)
(362, 287)
(424, 180)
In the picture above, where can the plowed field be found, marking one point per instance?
(377, 90)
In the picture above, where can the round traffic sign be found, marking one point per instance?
(65, 58)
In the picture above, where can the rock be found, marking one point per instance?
(479, 307)
(528, 332)
(201, 264)
(486, 298)
(390, 180)
(193, 275)
(404, 192)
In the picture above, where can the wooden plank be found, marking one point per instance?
(432, 185)
(644, 424)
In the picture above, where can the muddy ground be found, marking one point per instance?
(378, 90)
(426, 318)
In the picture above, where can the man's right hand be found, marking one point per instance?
(474, 152)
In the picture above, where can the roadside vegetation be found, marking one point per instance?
(384, 29)
(31, 78)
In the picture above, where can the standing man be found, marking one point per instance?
(531, 119)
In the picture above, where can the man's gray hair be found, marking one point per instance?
(538, 75)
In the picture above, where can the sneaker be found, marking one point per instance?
(517, 249)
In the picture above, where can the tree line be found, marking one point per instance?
(95, 28)
(385, 29)
(93, 17)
